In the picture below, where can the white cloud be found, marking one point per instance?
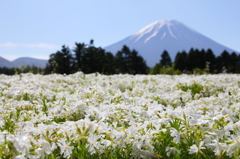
(38, 45)
(8, 44)
(43, 45)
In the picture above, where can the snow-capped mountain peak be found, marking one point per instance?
(170, 35)
(160, 28)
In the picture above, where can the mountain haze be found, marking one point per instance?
(30, 62)
(5, 63)
(26, 61)
(170, 35)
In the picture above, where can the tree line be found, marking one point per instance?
(26, 69)
(200, 61)
(90, 59)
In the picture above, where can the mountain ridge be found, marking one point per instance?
(19, 62)
(5, 63)
(30, 62)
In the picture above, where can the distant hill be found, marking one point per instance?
(27, 61)
(170, 35)
(5, 63)
(30, 62)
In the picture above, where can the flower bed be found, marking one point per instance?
(119, 116)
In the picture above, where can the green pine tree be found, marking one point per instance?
(166, 59)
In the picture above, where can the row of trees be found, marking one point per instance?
(202, 60)
(27, 69)
(90, 59)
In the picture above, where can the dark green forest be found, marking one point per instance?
(198, 62)
(90, 59)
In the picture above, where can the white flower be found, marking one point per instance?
(228, 114)
(93, 143)
(172, 150)
(65, 148)
(108, 118)
(217, 147)
(234, 145)
(198, 121)
(175, 134)
(22, 142)
(20, 157)
(138, 152)
(194, 148)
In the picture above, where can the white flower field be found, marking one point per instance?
(89, 116)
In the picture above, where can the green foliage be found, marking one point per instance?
(160, 69)
(5, 147)
(198, 71)
(162, 140)
(195, 88)
(169, 71)
(156, 69)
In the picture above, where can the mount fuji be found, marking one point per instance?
(170, 35)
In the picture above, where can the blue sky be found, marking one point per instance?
(37, 28)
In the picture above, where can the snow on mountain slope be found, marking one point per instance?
(170, 35)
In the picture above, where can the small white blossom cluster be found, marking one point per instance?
(139, 116)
